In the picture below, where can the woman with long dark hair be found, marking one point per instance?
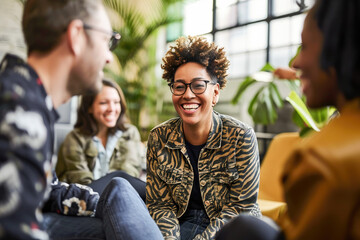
(103, 143)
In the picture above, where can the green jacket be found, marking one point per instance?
(228, 174)
(77, 156)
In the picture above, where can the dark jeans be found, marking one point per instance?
(247, 227)
(120, 214)
(193, 223)
(100, 184)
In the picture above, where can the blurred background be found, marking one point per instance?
(256, 34)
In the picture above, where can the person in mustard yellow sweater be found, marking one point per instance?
(321, 178)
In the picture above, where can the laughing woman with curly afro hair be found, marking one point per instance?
(203, 166)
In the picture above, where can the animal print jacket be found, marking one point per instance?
(228, 174)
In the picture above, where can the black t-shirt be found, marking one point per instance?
(195, 197)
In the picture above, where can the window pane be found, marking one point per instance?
(256, 60)
(246, 38)
(293, 51)
(226, 17)
(198, 22)
(208, 37)
(252, 10)
(281, 7)
(297, 23)
(309, 3)
(280, 32)
(222, 39)
(173, 31)
(238, 40)
(257, 36)
(233, 40)
(280, 57)
(224, 3)
(238, 65)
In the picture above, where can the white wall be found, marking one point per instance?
(11, 38)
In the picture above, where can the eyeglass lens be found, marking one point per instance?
(197, 87)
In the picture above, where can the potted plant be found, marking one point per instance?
(266, 100)
(138, 22)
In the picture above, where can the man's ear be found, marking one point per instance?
(75, 36)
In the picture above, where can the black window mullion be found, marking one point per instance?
(268, 20)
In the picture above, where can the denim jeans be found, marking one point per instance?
(60, 227)
(120, 214)
(100, 184)
(193, 223)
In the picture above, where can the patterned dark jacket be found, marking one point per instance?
(27, 120)
(228, 174)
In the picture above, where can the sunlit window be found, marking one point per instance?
(198, 17)
(252, 10)
(253, 32)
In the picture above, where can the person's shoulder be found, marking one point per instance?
(18, 82)
(131, 132)
(76, 135)
(335, 147)
(130, 127)
(340, 132)
(231, 122)
(169, 124)
(15, 71)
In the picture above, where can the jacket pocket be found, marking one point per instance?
(176, 183)
(170, 175)
(222, 181)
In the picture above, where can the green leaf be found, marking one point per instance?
(294, 85)
(248, 81)
(293, 58)
(298, 120)
(302, 110)
(254, 101)
(261, 108)
(270, 110)
(275, 95)
(305, 131)
(267, 68)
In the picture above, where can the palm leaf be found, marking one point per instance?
(302, 110)
(242, 88)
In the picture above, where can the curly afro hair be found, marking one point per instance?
(196, 49)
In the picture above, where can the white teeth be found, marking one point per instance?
(190, 106)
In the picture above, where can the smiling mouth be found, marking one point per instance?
(190, 106)
(110, 117)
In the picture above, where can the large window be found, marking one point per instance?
(253, 32)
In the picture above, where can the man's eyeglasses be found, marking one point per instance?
(197, 87)
(115, 36)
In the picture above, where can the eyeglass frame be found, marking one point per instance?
(115, 36)
(189, 85)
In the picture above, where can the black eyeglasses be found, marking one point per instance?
(197, 87)
(115, 36)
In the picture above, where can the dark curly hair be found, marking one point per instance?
(196, 49)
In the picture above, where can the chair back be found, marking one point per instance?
(272, 166)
